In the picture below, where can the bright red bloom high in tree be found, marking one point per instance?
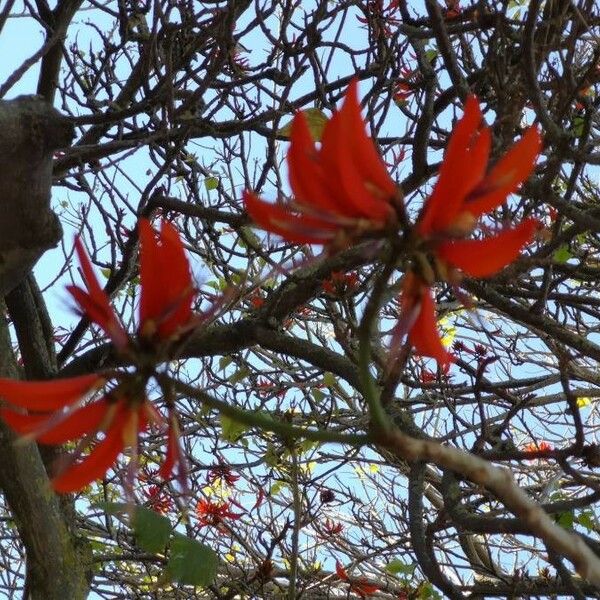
(461, 195)
(56, 412)
(342, 191)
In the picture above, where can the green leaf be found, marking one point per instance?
(562, 254)
(106, 272)
(578, 126)
(587, 519)
(317, 394)
(224, 362)
(397, 567)
(191, 563)
(431, 54)
(565, 520)
(231, 430)
(239, 375)
(316, 120)
(151, 529)
(329, 379)
(211, 183)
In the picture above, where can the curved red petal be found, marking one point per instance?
(95, 303)
(179, 287)
(366, 157)
(173, 451)
(483, 258)
(306, 175)
(424, 335)
(150, 275)
(506, 176)
(302, 229)
(345, 176)
(86, 420)
(444, 204)
(341, 572)
(23, 424)
(93, 466)
(47, 396)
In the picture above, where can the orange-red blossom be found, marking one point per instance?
(56, 412)
(463, 192)
(360, 586)
(343, 192)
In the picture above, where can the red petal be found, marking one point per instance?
(424, 335)
(150, 276)
(306, 175)
(340, 161)
(366, 159)
(96, 303)
(167, 289)
(457, 174)
(341, 572)
(86, 420)
(483, 258)
(363, 588)
(301, 229)
(506, 176)
(179, 288)
(47, 396)
(94, 465)
(23, 424)
(173, 451)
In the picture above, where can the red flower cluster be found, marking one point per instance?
(360, 586)
(461, 195)
(537, 447)
(331, 527)
(221, 473)
(158, 500)
(340, 283)
(56, 412)
(342, 190)
(214, 513)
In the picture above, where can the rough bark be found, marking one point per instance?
(31, 131)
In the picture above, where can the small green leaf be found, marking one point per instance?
(565, 520)
(562, 254)
(315, 119)
(586, 519)
(397, 567)
(151, 529)
(277, 487)
(106, 272)
(578, 126)
(211, 183)
(329, 379)
(431, 54)
(317, 394)
(231, 430)
(191, 563)
(224, 362)
(239, 375)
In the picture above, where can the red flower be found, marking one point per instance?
(339, 283)
(331, 527)
(213, 513)
(56, 413)
(537, 447)
(361, 586)
(158, 500)
(342, 190)
(461, 195)
(221, 473)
